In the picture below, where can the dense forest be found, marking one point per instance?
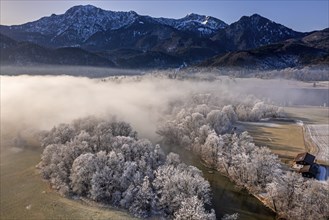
(103, 160)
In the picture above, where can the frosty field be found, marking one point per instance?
(319, 134)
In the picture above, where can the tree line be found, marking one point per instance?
(206, 127)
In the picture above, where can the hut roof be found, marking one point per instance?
(305, 157)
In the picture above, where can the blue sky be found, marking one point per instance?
(298, 15)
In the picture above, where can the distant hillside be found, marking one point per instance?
(309, 50)
(317, 39)
(252, 32)
(24, 53)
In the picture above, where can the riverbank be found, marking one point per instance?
(227, 197)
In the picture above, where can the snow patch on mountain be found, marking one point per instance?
(80, 21)
(194, 22)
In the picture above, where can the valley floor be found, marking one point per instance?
(24, 195)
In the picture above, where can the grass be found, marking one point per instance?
(24, 195)
(288, 139)
(310, 115)
(285, 140)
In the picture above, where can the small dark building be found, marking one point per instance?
(304, 159)
(310, 171)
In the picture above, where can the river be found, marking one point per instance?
(226, 197)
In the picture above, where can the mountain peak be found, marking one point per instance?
(194, 16)
(254, 18)
(254, 31)
(77, 24)
(203, 23)
(82, 9)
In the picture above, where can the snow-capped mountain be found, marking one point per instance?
(71, 28)
(200, 24)
(126, 39)
(85, 20)
(79, 23)
(146, 34)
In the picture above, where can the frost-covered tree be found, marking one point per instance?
(228, 110)
(234, 216)
(262, 110)
(105, 161)
(211, 148)
(284, 194)
(83, 169)
(58, 135)
(144, 202)
(314, 200)
(265, 167)
(175, 183)
(193, 209)
(205, 129)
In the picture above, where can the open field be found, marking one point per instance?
(308, 114)
(285, 138)
(25, 196)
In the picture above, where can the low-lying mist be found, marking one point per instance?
(55, 70)
(41, 102)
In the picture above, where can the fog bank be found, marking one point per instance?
(41, 102)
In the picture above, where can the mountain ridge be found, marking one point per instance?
(308, 50)
(130, 40)
(25, 53)
(80, 22)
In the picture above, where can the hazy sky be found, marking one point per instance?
(298, 15)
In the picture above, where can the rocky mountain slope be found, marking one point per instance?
(79, 23)
(201, 25)
(72, 28)
(126, 39)
(252, 32)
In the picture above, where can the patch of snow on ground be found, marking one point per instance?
(299, 122)
(264, 124)
(320, 136)
(28, 207)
